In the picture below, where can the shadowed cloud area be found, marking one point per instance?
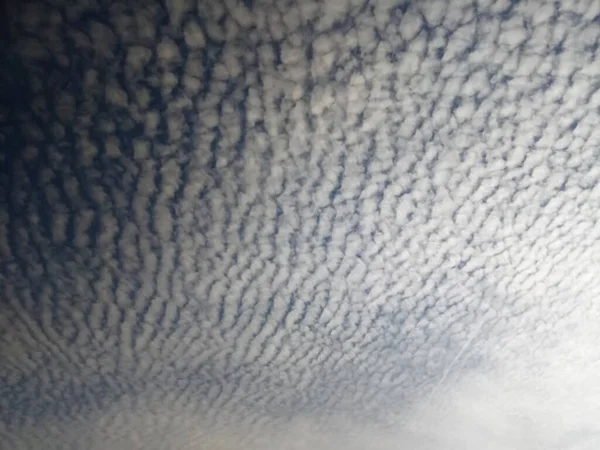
(300, 225)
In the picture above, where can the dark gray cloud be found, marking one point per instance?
(300, 225)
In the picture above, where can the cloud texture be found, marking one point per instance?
(300, 225)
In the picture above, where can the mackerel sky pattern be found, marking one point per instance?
(298, 224)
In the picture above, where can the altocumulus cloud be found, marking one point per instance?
(300, 225)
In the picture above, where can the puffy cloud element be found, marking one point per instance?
(301, 225)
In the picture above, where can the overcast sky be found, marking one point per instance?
(300, 225)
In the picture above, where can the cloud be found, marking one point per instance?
(314, 225)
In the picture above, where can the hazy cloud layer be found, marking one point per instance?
(300, 225)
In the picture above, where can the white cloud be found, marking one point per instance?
(393, 244)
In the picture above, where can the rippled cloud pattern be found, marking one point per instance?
(300, 224)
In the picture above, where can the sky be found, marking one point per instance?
(300, 225)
